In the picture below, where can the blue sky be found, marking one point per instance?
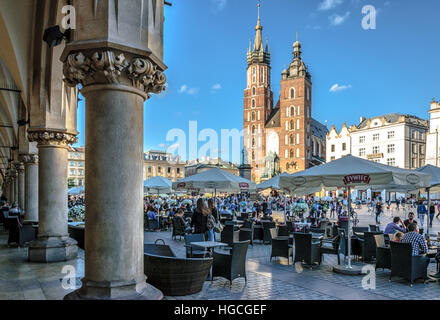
(394, 68)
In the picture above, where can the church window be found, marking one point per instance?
(308, 93)
(299, 110)
(253, 143)
(292, 139)
(253, 116)
(254, 75)
(292, 125)
(254, 91)
(262, 75)
(292, 93)
(292, 111)
(253, 103)
(253, 129)
(292, 154)
(253, 156)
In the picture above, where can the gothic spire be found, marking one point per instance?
(259, 54)
(258, 45)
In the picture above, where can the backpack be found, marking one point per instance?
(210, 223)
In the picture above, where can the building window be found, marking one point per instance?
(72, 172)
(297, 124)
(390, 134)
(344, 146)
(253, 156)
(292, 111)
(253, 104)
(287, 112)
(292, 125)
(259, 116)
(421, 150)
(253, 129)
(254, 75)
(333, 148)
(414, 148)
(362, 152)
(292, 140)
(262, 75)
(414, 162)
(376, 150)
(159, 169)
(72, 163)
(254, 91)
(332, 158)
(297, 153)
(391, 162)
(299, 111)
(286, 154)
(253, 143)
(287, 140)
(292, 93)
(376, 137)
(362, 139)
(169, 170)
(292, 153)
(297, 138)
(149, 169)
(308, 93)
(178, 170)
(391, 148)
(253, 116)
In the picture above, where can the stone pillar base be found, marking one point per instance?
(115, 291)
(53, 249)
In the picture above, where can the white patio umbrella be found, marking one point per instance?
(350, 172)
(434, 187)
(215, 180)
(76, 191)
(272, 183)
(158, 185)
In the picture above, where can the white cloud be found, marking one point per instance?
(219, 5)
(336, 19)
(185, 89)
(329, 4)
(336, 87)
(215, 88)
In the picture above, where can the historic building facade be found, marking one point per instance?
(432, 137)
(76, 167)
(162, 164)
(393, 139)
(200, 165)
(282, 137)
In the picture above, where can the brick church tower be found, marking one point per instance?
(258, 101)
(296, 115)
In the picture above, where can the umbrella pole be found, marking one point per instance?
(349, 226)
(428, 190)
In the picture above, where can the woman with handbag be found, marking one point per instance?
(200, 218)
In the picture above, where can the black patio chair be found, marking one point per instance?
(19, 233)
(331, 246)
(281, 248)
(191, 251)
(258, 232)
(369, 246)
(230, 234)
(231, 265)
(383, 253)
(179, 228)
(361, 229)
(283, 231)
(374, 228)
(356, 248)
(306, 250)
(405, 265)
(247, 232)
(267, 237)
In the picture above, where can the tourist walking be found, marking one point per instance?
(421, 211)
(379, 210)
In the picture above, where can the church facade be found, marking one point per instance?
(281, 137)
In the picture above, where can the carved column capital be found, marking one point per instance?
(49, 138)
(19, 166)
(29, 158)
(111, 67)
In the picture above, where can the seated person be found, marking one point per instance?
(152, 215)
(398, 236)
(410, 220)
(255, 217)
(224, 211)
(322, 218)
(417, 241)
(394, 226)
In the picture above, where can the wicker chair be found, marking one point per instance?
(192, 252)
(18, 233)
(383, 253)
(281, 248)
(229, 234)
(283, 231)
(258, 232)
(374, 228)
(174, 276)
(331, 246)
(306, 250)
(369, 246)
(267, 237)
(247, 232)
(179, 228)
(405, 265)
(231, 265)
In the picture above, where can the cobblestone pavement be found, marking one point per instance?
(277, 280)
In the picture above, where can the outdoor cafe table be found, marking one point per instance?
(208, 246)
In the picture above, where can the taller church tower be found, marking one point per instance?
(258, 101)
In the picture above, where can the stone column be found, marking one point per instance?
(53, 243)
(12, 188)
(20, 184)
(114, 265)
(117, 58)
(31, 187)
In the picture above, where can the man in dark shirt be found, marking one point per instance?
(410, 220)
